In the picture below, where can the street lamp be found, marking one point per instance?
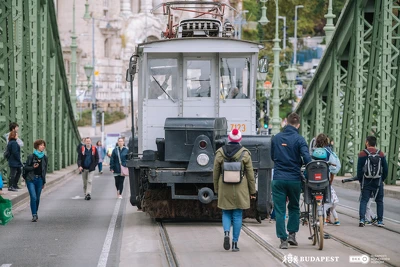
(87, 17)
(73, 62)
(276, 121)
(264, 20)
(295, 35)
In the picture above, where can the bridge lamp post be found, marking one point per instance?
(88, 17)
(88, 72)
(295, 35)
(276, 121)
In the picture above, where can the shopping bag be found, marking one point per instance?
(5, 211)
(124, 171)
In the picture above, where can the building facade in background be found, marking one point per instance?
(119, 26)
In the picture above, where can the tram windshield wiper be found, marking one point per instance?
(170, 97)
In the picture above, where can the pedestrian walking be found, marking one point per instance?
(233, 198)
(14, 161)
(14, 127)
(36, 169)
(322, 141)
(88, 159)
(118, 158)
(372, 170)
(79, 148)
(287, 150)
(102, 151)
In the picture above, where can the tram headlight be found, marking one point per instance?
(203, 159)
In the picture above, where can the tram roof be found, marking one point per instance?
(200, 45)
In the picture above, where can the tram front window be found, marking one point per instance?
(235, 78)
(163, 75)
(198, 78)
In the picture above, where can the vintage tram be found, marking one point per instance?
(195, 86)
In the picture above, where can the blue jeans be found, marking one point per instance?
(232, 217)
(100, 166)
(35, 188)
(369, 190)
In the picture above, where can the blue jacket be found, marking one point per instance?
(287, 150)
(15, 154)
(114, 160)
(362, 158)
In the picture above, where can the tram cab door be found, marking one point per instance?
(199, 87)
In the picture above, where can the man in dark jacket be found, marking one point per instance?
(371, 186)
(287, 150)
(88, 158)
(14, 161)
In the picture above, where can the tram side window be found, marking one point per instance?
(198, 81)
(234, 78)
(163, 77)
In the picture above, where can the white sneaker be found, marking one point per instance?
(120, 197)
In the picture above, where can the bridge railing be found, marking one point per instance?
(356, 89)
(33, 84)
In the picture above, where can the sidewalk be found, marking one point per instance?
(116, 127)
(392, 191)
(51, 180)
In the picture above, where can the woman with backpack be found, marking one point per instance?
(14, 161)
(322, 141)
(233, 197)
(35, 175)
(118, 158)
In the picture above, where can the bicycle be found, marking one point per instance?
(315, 192)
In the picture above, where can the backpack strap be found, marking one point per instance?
(93, 150)
(366, 151)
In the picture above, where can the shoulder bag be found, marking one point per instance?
(124, 170)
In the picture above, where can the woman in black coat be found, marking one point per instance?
(14, 161)
(118, 158)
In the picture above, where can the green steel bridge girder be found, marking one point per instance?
(33, 84)
(356, 89)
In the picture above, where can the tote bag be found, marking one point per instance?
(124, 170)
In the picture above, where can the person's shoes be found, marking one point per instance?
(235, 247)
(327, 220)
(380, 224)
(361, 223)
(101, 172)
(120, 197)
(34, 218)
(336, 222)
(368, 223)
(284, 244)
(292, 239)
(17, 187)
(227, 244)
(12, 189)
(88, 197)
(374, 220)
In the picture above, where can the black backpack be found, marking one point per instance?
(6, 153)
(373, 165)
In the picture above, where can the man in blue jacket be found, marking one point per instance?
(288, 150)
(371, 186)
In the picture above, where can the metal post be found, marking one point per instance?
(329, 27)
(295, 35)
(284, 31)
(94, 104)
(276, 121)
(73, 62)
(102, 128)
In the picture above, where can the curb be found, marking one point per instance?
(52, 180)
(388, 191)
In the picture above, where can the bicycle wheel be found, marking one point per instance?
(315, 237)
(321, 232)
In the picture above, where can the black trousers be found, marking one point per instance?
(15, 173)
(119, 183)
